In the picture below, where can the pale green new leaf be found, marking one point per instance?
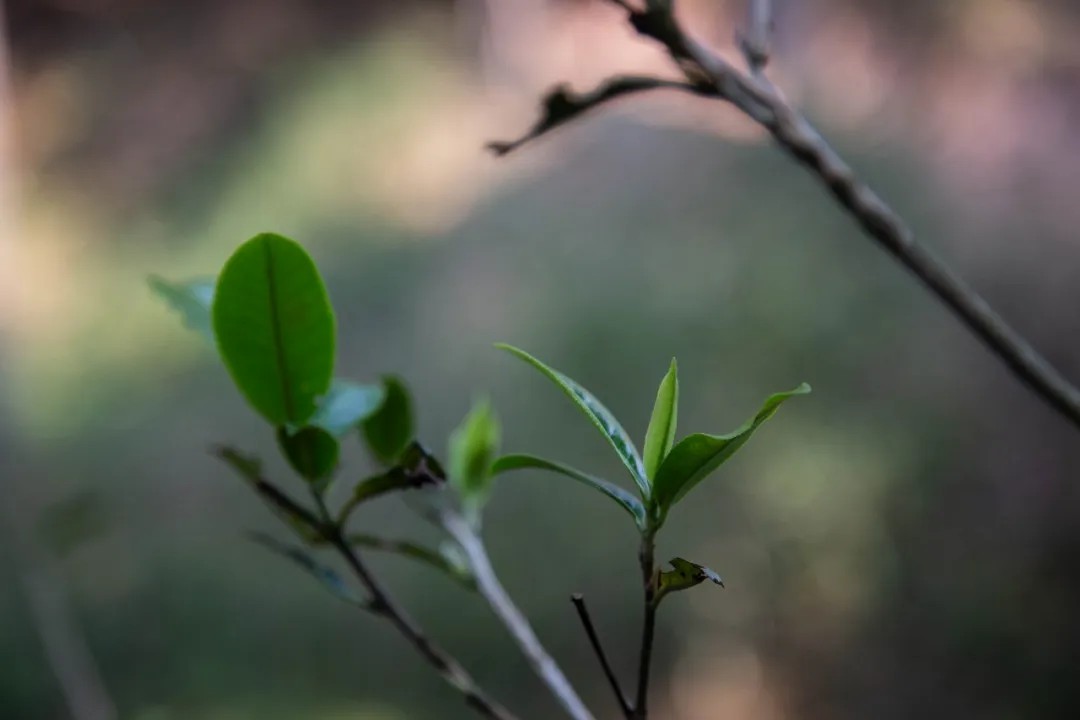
(345, 406)
(192, 299)
(598, 415)
(660, 435)
(626, 500)
(473, 446)
(698, 455)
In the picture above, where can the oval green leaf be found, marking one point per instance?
(312, 452)
(698, 455)
(275, 328)
(345, 406)
(192, 299)
(598, 415)
(660, 435)
(389, 430)
(626, 500)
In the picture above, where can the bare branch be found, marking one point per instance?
(594, 640)
(561, 105)
(759, 100)
(487, 582)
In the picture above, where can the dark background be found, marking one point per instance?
(903, 543)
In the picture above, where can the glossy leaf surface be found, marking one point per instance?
(275, 328)
(665, 415)
(345, 406)
(598, 415)
(698, 455)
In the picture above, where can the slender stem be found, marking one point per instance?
(487, 583)
(594, 640)
(449, 668)
(382, 603)
(648, 627)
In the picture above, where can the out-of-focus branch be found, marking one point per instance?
(561, 105)
(756, 41)
(487, 583)
(321, 529)
(757, 98)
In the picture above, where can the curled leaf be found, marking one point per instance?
(685, 575)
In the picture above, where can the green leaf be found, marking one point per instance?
(599, 415)
(390, 428)
(626, 500)
(698, 455)
(329, 578)
(275, 328)
(473, 446)
(312, 452)
(192, 299)
(345, 406)
(665, 415)
(685, 576)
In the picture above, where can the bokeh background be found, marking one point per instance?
(903, 543)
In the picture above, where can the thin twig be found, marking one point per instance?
(381, 602)
(756, 97)
(449, 668)
(561, 105)
(648, 626)
(488, 584)
(601, 656)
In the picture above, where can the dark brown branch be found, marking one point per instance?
(601, 656)
(756, 97)
(646, 557)
(561, 105)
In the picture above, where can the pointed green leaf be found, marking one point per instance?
(345, 406)
(698, 455)
(685, 575)
(665, 415)
(312, 452)
(390, 428)
(473, 446)
(192, 299)
(626, 500)
(599, 415)
(275, 328)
